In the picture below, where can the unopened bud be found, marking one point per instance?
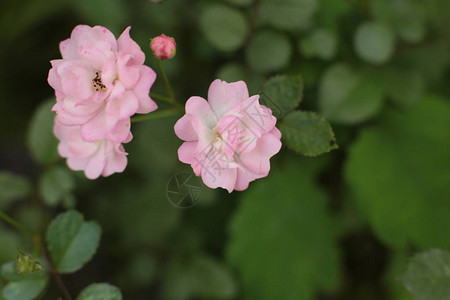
(163, 46)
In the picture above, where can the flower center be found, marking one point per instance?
(97, 84)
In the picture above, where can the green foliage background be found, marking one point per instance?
(338, 226)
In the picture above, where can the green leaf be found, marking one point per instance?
(231, 72)
(41, 140)
(307, 133)
(405, 88)
(199, 277)
(112, 14)
(55, 185)
(348, 96)
(405, 16)
(213, 279)
(321, 43)
(12, 187)
(24, 287)
(71, 241)
(282, 94)
(241, 2)
(374, 42)
(282, 239)
(268, 51)
(100, 291)
(428, 275)
(399, 172)
(225, 27)
(287, 14)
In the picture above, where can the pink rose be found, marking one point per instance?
(163, 46)
(102, 157)
(100, 83)
(230, 138)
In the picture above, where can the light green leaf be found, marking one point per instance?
(225, 27)
(399, 172)
(71, 241)
(199, 277)
(405, 16)
(231, 72)
(307, 133)
(112, 14)
(287, 14)
(428, 275)
(348, 96)
(41, 140)
(100, 291)
(55, 185)
(268, 51)
(12, 187)
(282, 240)
(282, 94)
(374, 42)
(24, 287)
(321, 43)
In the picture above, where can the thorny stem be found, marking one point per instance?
(155, 115)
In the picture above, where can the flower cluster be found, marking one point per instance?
(230, 138)
(99, 83)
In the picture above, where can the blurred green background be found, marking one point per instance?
(339, 226)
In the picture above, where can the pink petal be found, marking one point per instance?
(257, 161)
(123, 107)
(127, 46)
(199, 108)
(116, 161)
(142, 90)
(222, 95)
(184, 128)
(214, 177)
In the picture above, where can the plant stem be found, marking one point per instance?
(16, 224)
(160, 97)
(60, 284)
(155, 115)
(166, 80)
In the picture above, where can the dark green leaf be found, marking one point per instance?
(307, 133)
(428, 275)
(71, 241)
(282, 94)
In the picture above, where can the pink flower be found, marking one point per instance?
(100, 83)
(230, 138)
(102, 157)
(163, 46)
